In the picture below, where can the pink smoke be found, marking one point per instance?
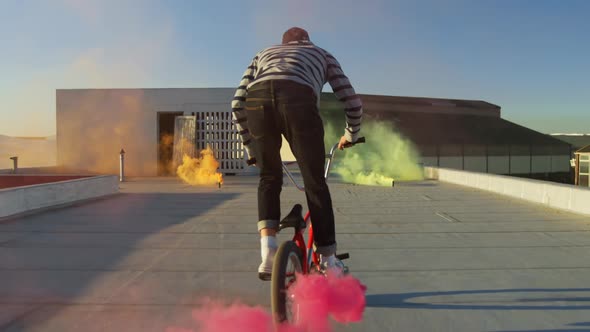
(318, 298)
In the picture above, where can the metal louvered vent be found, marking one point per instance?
(216, 130)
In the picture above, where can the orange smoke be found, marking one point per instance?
(90, 141)
(200, 171)
(165, 149)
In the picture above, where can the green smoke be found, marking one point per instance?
(386, 156)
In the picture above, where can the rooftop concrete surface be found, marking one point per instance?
(434, 256)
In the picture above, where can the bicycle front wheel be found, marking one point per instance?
(287, 263)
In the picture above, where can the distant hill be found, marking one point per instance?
(31, 138)
(577, 141)
(31, 151)
(34, 138)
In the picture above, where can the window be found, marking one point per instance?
(584, 170)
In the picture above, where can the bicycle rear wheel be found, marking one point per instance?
(288, 262)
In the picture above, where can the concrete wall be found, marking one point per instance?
(560, 163)
(475, 163)
(23, 199)
(520, 164)
(555, 195)
(498, 164)
(451, 162)
(499, 160)
(541, 164)
(94, 124)
(429, 160)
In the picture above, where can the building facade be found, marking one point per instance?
(582, 167)
(469, 135)
(93, 125)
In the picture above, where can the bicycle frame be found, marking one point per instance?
(309, 254)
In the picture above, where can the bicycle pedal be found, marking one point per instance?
(345, 271)
(343, 256)
(264, 276)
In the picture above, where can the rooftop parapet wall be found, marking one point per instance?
(560, 196)
(18, 180)
(17, 200)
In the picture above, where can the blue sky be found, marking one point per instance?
(530, 57)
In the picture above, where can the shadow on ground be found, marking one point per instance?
(570, 328)
(504, 302)
(405, 300)
(30, 264)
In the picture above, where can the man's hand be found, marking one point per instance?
(251, 162)
(344, 143)
(252, 150)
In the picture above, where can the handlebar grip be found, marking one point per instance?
(343, 256)
(359, 140)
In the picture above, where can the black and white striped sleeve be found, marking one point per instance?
(345, 93)
(238, 105)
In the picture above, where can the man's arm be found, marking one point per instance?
(238, 106)
(346, 94)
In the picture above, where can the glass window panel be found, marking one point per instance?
(584, 157)
(584, 180)
(584, 166)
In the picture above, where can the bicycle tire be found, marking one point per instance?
(288, 252)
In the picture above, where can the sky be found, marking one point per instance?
(532, 58)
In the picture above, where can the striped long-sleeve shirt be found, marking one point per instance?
(305, 63)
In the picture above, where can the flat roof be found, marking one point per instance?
(429, 128)
(382, 103)
(421, 101)
(432, 254)
(577, 141)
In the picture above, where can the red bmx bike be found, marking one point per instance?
(296, 256)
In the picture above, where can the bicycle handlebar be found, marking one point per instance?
(252, 161)
(358, 141)
(329, 157)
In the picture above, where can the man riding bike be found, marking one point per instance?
(278, 95)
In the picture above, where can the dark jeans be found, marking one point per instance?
(284, 107)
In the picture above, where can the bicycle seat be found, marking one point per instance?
(293, 219)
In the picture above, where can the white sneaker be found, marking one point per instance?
(265, 268)
(334, 266)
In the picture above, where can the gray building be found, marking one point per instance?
(582, 166)
(94, 124)
(469, 135)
